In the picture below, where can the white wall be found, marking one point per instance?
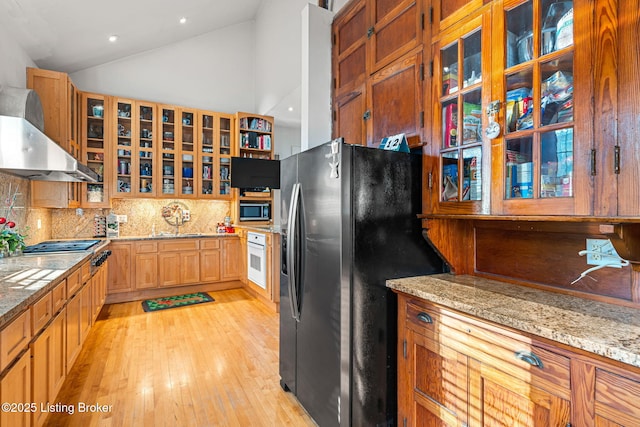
(14, 62)
(214, 71)
(278, 56)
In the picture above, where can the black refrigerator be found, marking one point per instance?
(348, 224)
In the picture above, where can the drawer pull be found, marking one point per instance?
(424, 317)
(530, 358)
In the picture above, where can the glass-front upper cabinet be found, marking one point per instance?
(187, 151)
(145, 165)
(461, 95)
(168, 150)
(225, 138)
(536, 146)
(124, 164)
(95, 137)
(207, 160)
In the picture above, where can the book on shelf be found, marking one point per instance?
(255, 123)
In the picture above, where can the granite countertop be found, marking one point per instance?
(24, 279)
(173, 236)
(263, 229)
(605, 329)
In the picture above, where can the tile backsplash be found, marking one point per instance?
(25, 217)
(141, 214)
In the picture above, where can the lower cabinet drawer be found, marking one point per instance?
(14, 338)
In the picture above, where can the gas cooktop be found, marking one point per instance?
(61, 246)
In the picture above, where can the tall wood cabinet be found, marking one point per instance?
(60, 101)
(378, 71)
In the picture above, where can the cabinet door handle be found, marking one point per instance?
(530, 358)
(424, 317)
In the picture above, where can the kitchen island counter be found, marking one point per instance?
(24, 279)
(604, 329)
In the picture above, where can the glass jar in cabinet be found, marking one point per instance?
(542, 116)
(95, 117)
(461, 95)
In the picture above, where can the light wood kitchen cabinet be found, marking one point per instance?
(95, 137)
(214, 148)
(14, 338)
(135, 169)
(210, 260)
(98, 291)
(73, 337)
(60, 100)
(48, 366)
(232, 261)
(15, 387)
(120, 267)
(179, 262)
(146, 265)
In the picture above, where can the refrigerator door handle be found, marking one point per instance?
(292, 244)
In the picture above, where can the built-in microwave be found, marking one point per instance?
(255, 211)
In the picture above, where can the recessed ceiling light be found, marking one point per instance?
(183, 20)
(113, 38)
(290, 108)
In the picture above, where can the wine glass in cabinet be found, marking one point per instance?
(95, 134)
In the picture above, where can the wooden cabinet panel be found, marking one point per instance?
(74, 281)
(15, 387)
(48, 364)
(349, 119)
(41, 313)
(14, 338)
(73, 336)
(210, 265)
(169, 268)
(178, 245)
(146, 270)
(349, 50)
(395, 97)
(59, 296)
(189, 267)
(42, 350)
(86, 313)
(232, 263)
(616, 400)
(439, 381)
(119, 269)
(497, 399)
(397, 29)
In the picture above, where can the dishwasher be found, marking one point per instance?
(257, 258)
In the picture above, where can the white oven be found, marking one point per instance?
(257, 258)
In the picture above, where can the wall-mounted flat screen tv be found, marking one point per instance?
(248, 172)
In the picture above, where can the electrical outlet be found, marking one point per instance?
(602, 252)
(122, 218)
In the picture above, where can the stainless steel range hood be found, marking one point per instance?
(25, 150)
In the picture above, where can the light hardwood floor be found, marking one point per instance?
(213, 364)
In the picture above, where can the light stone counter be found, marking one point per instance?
(24, 279)
(605, 329)
(173, 236)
